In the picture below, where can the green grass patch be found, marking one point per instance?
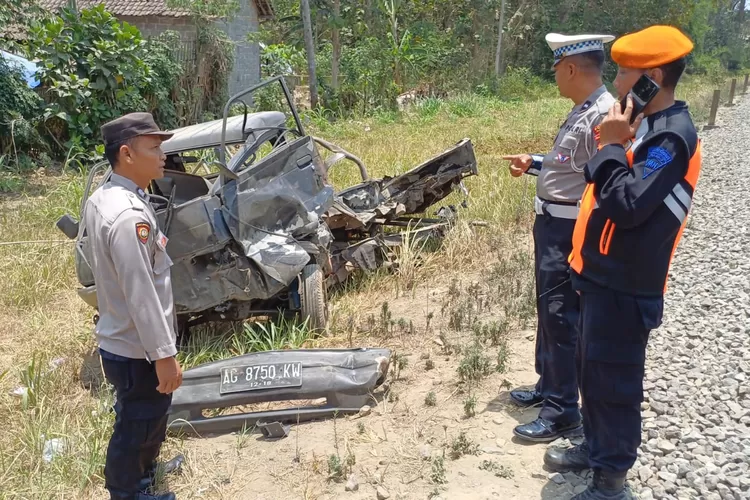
(212, 342)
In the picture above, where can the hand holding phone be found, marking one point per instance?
(619, 127)
(644, 90)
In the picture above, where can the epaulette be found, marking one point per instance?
(604, 102)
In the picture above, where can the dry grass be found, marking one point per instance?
(42, 320)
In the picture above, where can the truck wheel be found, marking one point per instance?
(313, 297)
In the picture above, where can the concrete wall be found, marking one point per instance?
(246, 70)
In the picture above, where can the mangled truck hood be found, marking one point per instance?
(358, 214)
(409, 193)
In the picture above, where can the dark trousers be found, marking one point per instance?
(140, 425)
(611, 358)
(557, 320)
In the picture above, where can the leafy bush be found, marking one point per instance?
(96, 68)
(19, 107)
(710, 65)
(92, 71)
(216, 60)
(281, 59)
(165, 72)
(517, 84)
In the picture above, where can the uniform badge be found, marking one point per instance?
(657, 159)
(586, 105)
(142, 230)
(598, 134)
(162, 240)
(561, 158)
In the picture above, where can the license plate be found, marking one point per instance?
(255, 377)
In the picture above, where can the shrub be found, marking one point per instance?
(517, 84)
(162, 89)
(19, 107)
(95, 69)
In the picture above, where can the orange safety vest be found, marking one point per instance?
(595, 260)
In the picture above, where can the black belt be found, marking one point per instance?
(561, 210)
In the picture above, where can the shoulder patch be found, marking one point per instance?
(657, 159)
(143, 230)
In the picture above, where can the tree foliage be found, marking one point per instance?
(434, 46)
(19, 109)
(91, 70)
(94, 68)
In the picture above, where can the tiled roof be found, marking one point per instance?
(139, 8)
(120, 7)
(14, 32)
(134, 8)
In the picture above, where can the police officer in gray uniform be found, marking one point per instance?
(136, 329)
(579, 61)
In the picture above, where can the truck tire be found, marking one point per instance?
(313, 297)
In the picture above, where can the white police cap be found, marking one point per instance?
(564, 45)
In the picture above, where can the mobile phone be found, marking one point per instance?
(642, 92)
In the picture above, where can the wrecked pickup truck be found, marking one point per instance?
(254, 226)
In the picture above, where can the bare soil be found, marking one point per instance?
(394, 447)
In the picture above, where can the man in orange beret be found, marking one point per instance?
(639, 190)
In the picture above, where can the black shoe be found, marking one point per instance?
(142, 496)
(543, 431)
(169, 467)
(160, 496)
(173, 465)
(526, 398)
(568, 459)
(606, 487)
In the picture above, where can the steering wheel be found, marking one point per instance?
(162, 202)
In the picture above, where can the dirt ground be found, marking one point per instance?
(394, 447)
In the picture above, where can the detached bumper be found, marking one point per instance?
(346, 379)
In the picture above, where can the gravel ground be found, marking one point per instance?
(696, 413)
(696, 426)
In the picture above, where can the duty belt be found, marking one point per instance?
(555, 209)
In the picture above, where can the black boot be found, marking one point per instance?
(526, 398)
(568, 459)
(606, 486)
(544, 431)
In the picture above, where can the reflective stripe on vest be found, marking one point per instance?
(678, 202)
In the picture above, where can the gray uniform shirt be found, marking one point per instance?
(131, 271)
(561, 175)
